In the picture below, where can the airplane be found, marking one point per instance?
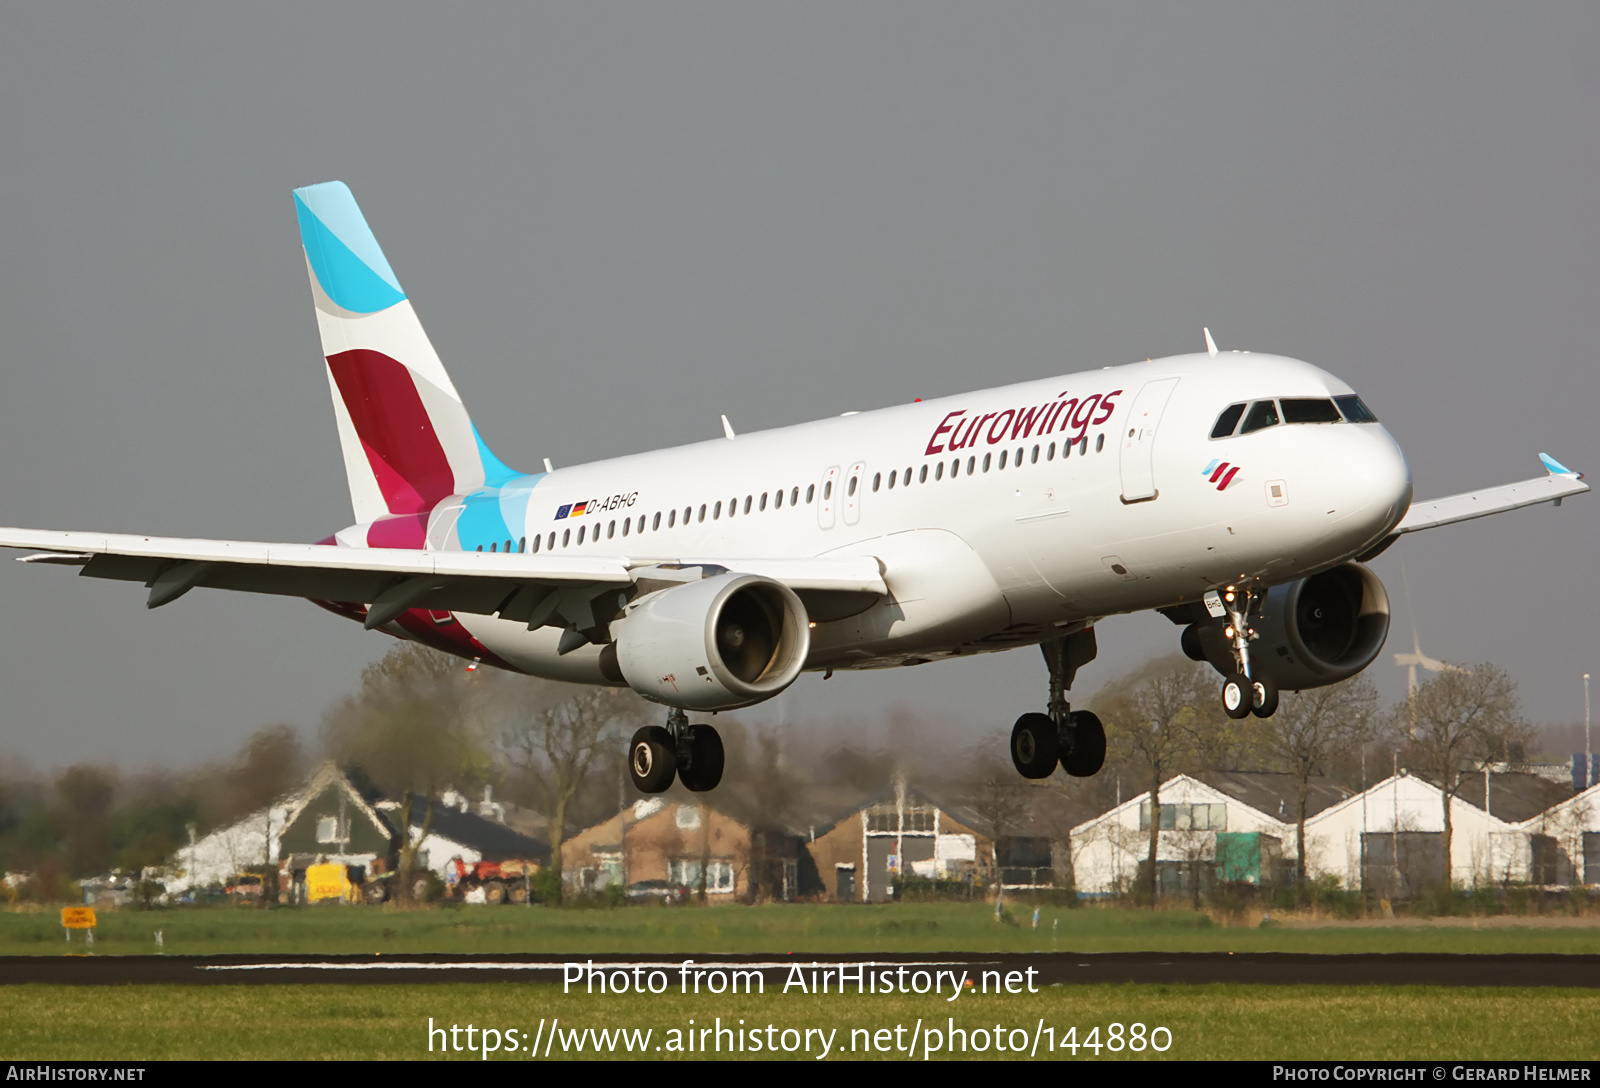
(1238, 494)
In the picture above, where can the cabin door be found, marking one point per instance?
(1139, 440)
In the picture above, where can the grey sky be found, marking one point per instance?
(618, 221)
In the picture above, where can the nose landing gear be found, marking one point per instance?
(690, 753)
(1074, 740)
(1245, 691)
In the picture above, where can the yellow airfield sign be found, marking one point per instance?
(77, 917)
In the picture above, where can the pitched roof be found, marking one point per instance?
(1276, 794)
(494, 841)
(1514, 796)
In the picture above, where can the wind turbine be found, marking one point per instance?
(1416, 658)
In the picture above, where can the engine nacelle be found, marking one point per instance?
(1313, 632)
(721, 643)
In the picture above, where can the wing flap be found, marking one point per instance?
(486, 583)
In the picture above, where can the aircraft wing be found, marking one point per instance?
(1559, 484)
(531, 588)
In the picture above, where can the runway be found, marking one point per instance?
(1054, 968)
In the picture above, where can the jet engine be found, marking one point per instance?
(1312, 632)
(720, 643)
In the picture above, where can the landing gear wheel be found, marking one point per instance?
(1035, 746)
(652, 763)
(1083, 745)
(1236, 692)
(703, 769)
(1263, 697)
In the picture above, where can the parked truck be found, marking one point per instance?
(508, 881)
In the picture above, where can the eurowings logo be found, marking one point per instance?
(1220, 473)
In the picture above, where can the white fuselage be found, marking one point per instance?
(1108, 502)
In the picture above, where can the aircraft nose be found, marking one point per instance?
(1382, 477)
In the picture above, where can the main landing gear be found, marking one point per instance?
(1244, 691)
(690, 753)
(1074, 740)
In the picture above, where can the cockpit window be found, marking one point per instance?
(1227, 421)
(1263, 413)
(1309, 410)
(1354, 409)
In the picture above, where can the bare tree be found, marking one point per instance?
(414, 728)
(1460, 721)
(556, 748)
(1157, 717)
(1310, 729)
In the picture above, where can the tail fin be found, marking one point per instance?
(407, 439)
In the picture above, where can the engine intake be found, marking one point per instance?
(721, 643)
(1312, 632)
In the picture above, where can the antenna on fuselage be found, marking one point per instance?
(1211, 345)
(727, 428)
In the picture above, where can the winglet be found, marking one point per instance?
(1211, 345)
(1556, 468)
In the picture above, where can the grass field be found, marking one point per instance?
(1205, 1022)
(909, 927)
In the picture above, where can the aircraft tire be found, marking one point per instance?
(1035, 746)
(652, 763)
(1236, 696)
(1085, 754)
(704, 769)
(1263, 697)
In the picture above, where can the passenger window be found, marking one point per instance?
(581, 530)
(955, 468)
(626, 525)
(851, 490)
(611, 530)
(494, 546)
(922, 477)
(1099, 442)
(827, 490)
(938, 471)
(687, 510)
(716, 511)
(1263, 413)
(1017, 460)
(1003, 455)
(536, 545)
(1035, 455)
(986, 459)
(1050, 455)
(811, 493)
(892, 475)
(1355, 409)
(777, 502)
(703, 511)
(750, 500)
(1227, 421)
(971, 464)
(763, 505)
(551, 543)
(877, 478)
(1309, 410)
(794, 496)
(522, 545)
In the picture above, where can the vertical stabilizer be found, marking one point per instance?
(407, 439)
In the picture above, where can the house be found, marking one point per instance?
(857, 858)
(1108, 850)
(683, 844)
(1390, 838)
(1564, 840)
(338, 816)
